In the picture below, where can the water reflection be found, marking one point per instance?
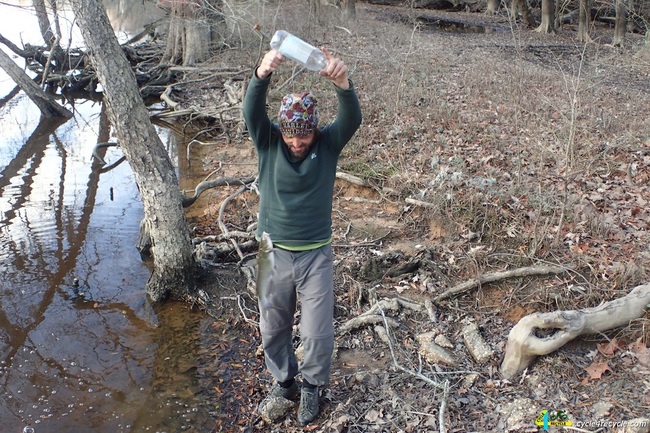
(80, 347)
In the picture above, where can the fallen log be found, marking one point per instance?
(524, 346)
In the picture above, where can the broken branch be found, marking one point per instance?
(498, 276)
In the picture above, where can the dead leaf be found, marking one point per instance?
(597, 369)
(579, 248)
(641, 352)
(608, 349)
(373, 415)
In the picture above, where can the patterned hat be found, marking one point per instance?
(298, 114)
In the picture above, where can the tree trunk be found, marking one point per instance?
(193, 30)
(520, 7)
(548, 17)
(314, 11)
(174, 264)
(583, 21)
(349, 10)
(51, 38)
(620, 23)
(492, 6)
(49, 108)
(44, 21)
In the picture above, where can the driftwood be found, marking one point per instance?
(498, 276)
(523, 345)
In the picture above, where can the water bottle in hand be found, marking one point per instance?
(296, 49)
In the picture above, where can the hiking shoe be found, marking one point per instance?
(277, 391)
(308, 409)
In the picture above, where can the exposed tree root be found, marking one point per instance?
(523, 345)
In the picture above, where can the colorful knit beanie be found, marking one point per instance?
(298, 114)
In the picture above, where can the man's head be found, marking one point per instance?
(298, 120)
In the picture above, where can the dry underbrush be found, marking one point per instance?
(480, 152)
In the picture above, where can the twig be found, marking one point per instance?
(444, 386)
(241, 308)
(443, 407)
(222, 226)
(419, 203)
(498, 276)
(48, 64)
(189, 146)
(100, 146)
(290, 79)
(372, 243)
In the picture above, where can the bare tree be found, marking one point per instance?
(164, 219)
(584, 15)
(548, 17)
(621, 23)
(194, 29)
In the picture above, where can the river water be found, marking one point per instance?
(81, 348)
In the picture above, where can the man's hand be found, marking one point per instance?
(272, 59)
(336, 71)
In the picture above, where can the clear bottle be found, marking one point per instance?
(296, 49)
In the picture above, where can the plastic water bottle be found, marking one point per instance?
(296, 49)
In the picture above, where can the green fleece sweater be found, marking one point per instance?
(296, 195)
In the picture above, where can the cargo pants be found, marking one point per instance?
(305, 277)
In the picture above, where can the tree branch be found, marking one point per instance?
(498, 276)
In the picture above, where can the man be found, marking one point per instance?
(297, 170)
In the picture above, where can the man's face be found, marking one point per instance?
(299, 145)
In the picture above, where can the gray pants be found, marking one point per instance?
(306, 276)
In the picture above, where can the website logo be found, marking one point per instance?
(548, 418)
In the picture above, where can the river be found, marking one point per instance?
(81, 348)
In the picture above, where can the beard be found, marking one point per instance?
(299, 153)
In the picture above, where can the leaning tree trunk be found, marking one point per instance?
(44, 21)
(45, 103)
(548, 17)
(620, 24)
(154, 173)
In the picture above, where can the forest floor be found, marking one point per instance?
(480, 151)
